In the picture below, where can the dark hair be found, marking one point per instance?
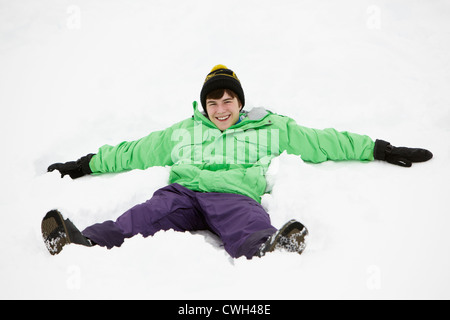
(219, 93)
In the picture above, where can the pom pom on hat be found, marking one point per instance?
(218, 67)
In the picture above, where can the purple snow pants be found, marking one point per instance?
(241, 223)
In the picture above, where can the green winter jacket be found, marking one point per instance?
(205, 159)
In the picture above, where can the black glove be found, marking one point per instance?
(400, 156)
(74, 169)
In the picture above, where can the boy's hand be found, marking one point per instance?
(74, 169)
(400, 156)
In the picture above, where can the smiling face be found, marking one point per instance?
(223, 112)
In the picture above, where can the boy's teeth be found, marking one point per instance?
(223, 118)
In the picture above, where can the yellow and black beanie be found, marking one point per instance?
(221, 77)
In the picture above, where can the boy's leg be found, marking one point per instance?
(241, 222)
(172, 207)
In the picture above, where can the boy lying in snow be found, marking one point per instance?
(218, 162)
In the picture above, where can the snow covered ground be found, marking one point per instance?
(77, 74)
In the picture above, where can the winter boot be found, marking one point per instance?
(291, 237)
(58, 232)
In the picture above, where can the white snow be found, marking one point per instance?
(77, 74)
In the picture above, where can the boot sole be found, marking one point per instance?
(291, 237)
(54, 232)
